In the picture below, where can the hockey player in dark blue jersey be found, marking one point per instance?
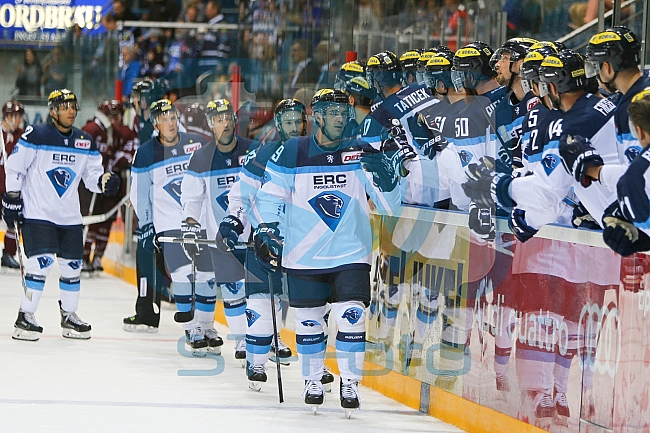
(362, 96)
(319, 183)
(614, 57)
(290, 122)
(43, 174)
(410, 61)
(158, 169)
(347, 72)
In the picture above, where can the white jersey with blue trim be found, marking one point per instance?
(540, 195)
(320, 197)
(156, 176)
(47, 166)
(208, 181)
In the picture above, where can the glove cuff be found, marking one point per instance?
(234, 223)
(500, 191)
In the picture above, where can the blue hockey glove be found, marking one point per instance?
(583, 219)
(230, 229)
(190, 232)
(577, 156)
(382, 168)
(12, 208)
(488, 191)
(480, 222)
(268, 246)
(517, 224)
(397, 148)
(436, 143)
(109, 183)
(621, 235)
(147, 237)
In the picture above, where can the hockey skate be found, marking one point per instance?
(350, 396)
(282, 353)
(503, 384)
(544, 407)
(9, 263)
(240, 352)
(196, 342)
(313, 394)
(327, 379)
(87, 269)
(214, 341)
(72, 326)
(256, 376)
(562, 413)
(26, 327)
(135, 324)
(97, 264)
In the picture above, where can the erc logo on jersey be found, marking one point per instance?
(222, 200)
(61, 178)
(549, 163)
(173, 188)
(632, 152)
(330, 207)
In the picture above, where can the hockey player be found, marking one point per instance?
(327, 241)
(422, 62)
(210, 175)
(347, 72)
(12, 120)
(614, 57)
(193, 118)
(362, 96)
(43, 174)
(158, 170)
(289, 118)
(410, 61)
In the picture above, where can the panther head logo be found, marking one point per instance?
(353, 314)
(330, 205)
(549, 162)
(61, 177)
(465, 157)
(632, 152)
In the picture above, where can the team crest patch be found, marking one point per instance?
(330, 207)
(251, 316)
(465, 157)
(353, 315)
(549, 163)
(222, 200)
(173, 188)
(61, 178)
(82, 144)
(74, 264)
(45, 261)
(310, 323)
(632, 152)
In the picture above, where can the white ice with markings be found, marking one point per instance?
(119, 381)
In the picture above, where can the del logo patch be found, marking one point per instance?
(351, 157)
(82, 144)
(190, 148)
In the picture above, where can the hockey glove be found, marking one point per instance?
(268, 246)
(582, 219)
(488, 191)
(632, 197)
(397, 148)
(190, 232)
(435, 143)
(480, 222)
(229, 230)
(12, 208)
(147, 237)
(109, 183)
(621, 235)
(382, 168)
(577, 156)
(517, 224)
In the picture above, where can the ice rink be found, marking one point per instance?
(119, 381)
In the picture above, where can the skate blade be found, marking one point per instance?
(87, 275)
(327, 387)
(255, 386)
(140, 328)
(214, 350)
(283, 361)
(562, 420)
(21, 334)
(314, 408)
(71, 333)
(9, 271)
(199, 353)
(349, 412)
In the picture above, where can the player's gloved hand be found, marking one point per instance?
(268, 246)
(397, 148)
(577, 156)
(230, 228)
(630, 188)
(12, 208)
(480, 222)
(190, 231)
(109, 183)
(621, 235)
(436, 141)
(147, 237)
(382, 168)
(488, 191)
(583, 219)
(518, 225)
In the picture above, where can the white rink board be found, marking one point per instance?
(119, 381)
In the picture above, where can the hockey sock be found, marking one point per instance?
(310, 341)
(259, 333)
(503, 340)
(10, 243)
(69, 284)
(350, 317)
(567, 348)
(206, 297)
(101, 239)
(37, 268)
(234, 305)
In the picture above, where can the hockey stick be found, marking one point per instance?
(90, 212)
(96, 219)
(275, 339)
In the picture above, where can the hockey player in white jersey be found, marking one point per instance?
(326, 251)
(158, 169)
(43, 174)
(290, 119)
(614, 57)
(206, 187)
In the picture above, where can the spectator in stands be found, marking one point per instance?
(215, 43)
(305, 72)
(130, 70)
(151, 46)
(162, 10)
(55, 71)
(29, 75)
(325, 58)
(582, 13)
(122, 12)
